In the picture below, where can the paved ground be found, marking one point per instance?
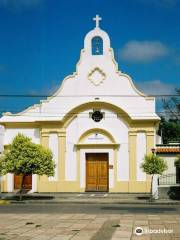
(88, 222)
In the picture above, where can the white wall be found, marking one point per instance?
(123, 163)
(10, 133)
(115, 126)
(140, 153)
(54, 147)
(1, 138)
(97, 138)
(71, 158)
(170, 159)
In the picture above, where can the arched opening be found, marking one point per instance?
(97, 45)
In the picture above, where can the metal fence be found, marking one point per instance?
(169, 179)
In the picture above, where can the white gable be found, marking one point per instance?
(96, 79)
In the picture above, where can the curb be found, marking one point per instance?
(4, 202)
(94, 202)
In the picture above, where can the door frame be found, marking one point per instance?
(107, 153)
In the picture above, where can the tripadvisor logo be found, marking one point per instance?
(138, 231)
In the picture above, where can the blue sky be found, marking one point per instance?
(40, 43)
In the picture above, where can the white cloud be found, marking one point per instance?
(155, 87)
(143, 51)
(16, 4)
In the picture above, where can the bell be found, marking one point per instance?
(97, 50)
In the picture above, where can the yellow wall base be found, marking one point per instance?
(73, 186)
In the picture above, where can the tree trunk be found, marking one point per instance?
(151, 198)
(22, 186)
(155, 187)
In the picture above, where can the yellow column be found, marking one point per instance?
(44, 143)
(62, 152)
(150, 141)
(150, 144)
(132, 159)
(45, 139)
(115, 167)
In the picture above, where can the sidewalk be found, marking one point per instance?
(84, 198)
(88, 226)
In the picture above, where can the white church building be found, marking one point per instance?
(98, 125)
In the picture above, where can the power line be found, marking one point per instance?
(104, 95)
(84, 115)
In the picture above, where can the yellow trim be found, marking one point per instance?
(91, 105)
(94, 130)
(97, 146)
(20, 125)
(92, 72)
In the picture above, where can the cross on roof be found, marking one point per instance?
(97, 19)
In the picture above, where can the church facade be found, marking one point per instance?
(98, 126)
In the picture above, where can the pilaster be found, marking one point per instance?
(132, 155)
(62, 153)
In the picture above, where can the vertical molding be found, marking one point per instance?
(132, 155)
(140, 153)
(150, 141)
(45, 139)
(10, 182)
(45, 143)
(54, 147)
(34, 183)
(115, 152)
(78, 166)
(150, 145)
(62, 154)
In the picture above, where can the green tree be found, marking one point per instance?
(177, 162)
(169, 130)
(172, 107)
(169, 127)
(153, 165)
(25, 157)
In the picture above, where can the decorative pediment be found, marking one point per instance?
(97, 76)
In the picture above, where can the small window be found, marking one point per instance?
(97, 46)
(97, 116)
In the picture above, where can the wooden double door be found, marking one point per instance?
(27, 182)
(97, 177)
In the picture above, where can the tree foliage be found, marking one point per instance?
(169, 130)
(24, 157)
(153, 164)
(177, 162)
(169, 127)
(172, 107)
